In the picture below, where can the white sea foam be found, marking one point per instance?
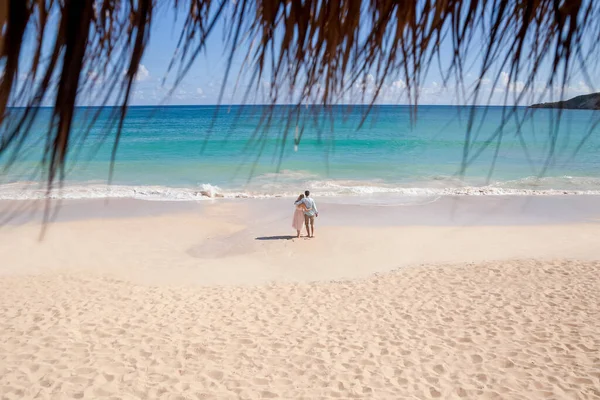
(323, 188)
(16, 191)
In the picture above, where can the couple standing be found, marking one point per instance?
(305, 213)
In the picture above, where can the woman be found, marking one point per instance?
(298, 221)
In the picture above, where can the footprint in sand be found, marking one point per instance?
(216, 375)
(476, 358)
(439, 369)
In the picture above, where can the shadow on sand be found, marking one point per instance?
(285, 237)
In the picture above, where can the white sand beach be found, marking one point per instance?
(193, 301)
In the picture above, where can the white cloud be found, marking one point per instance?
(399, 84)
(181, 94)
(142, 73)
(366, 85)
(200, 91)
(513, 86)
(581, 88)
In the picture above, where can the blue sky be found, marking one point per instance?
(203, 82)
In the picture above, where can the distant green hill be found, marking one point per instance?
(585, 102)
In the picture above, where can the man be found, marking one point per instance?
(310, 213)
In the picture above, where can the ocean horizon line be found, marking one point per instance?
(362, 105)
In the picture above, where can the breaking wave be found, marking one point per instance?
(551, 186)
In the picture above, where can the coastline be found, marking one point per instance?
(251, 242)
(460, 297)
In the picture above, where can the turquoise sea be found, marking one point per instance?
(200, 152)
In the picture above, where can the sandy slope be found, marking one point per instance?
(495, 330)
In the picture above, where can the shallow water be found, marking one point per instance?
(190, 153)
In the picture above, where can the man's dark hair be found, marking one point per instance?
(306, 193)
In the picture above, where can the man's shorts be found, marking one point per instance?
(309, 219)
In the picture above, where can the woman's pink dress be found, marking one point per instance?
(298, 221)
